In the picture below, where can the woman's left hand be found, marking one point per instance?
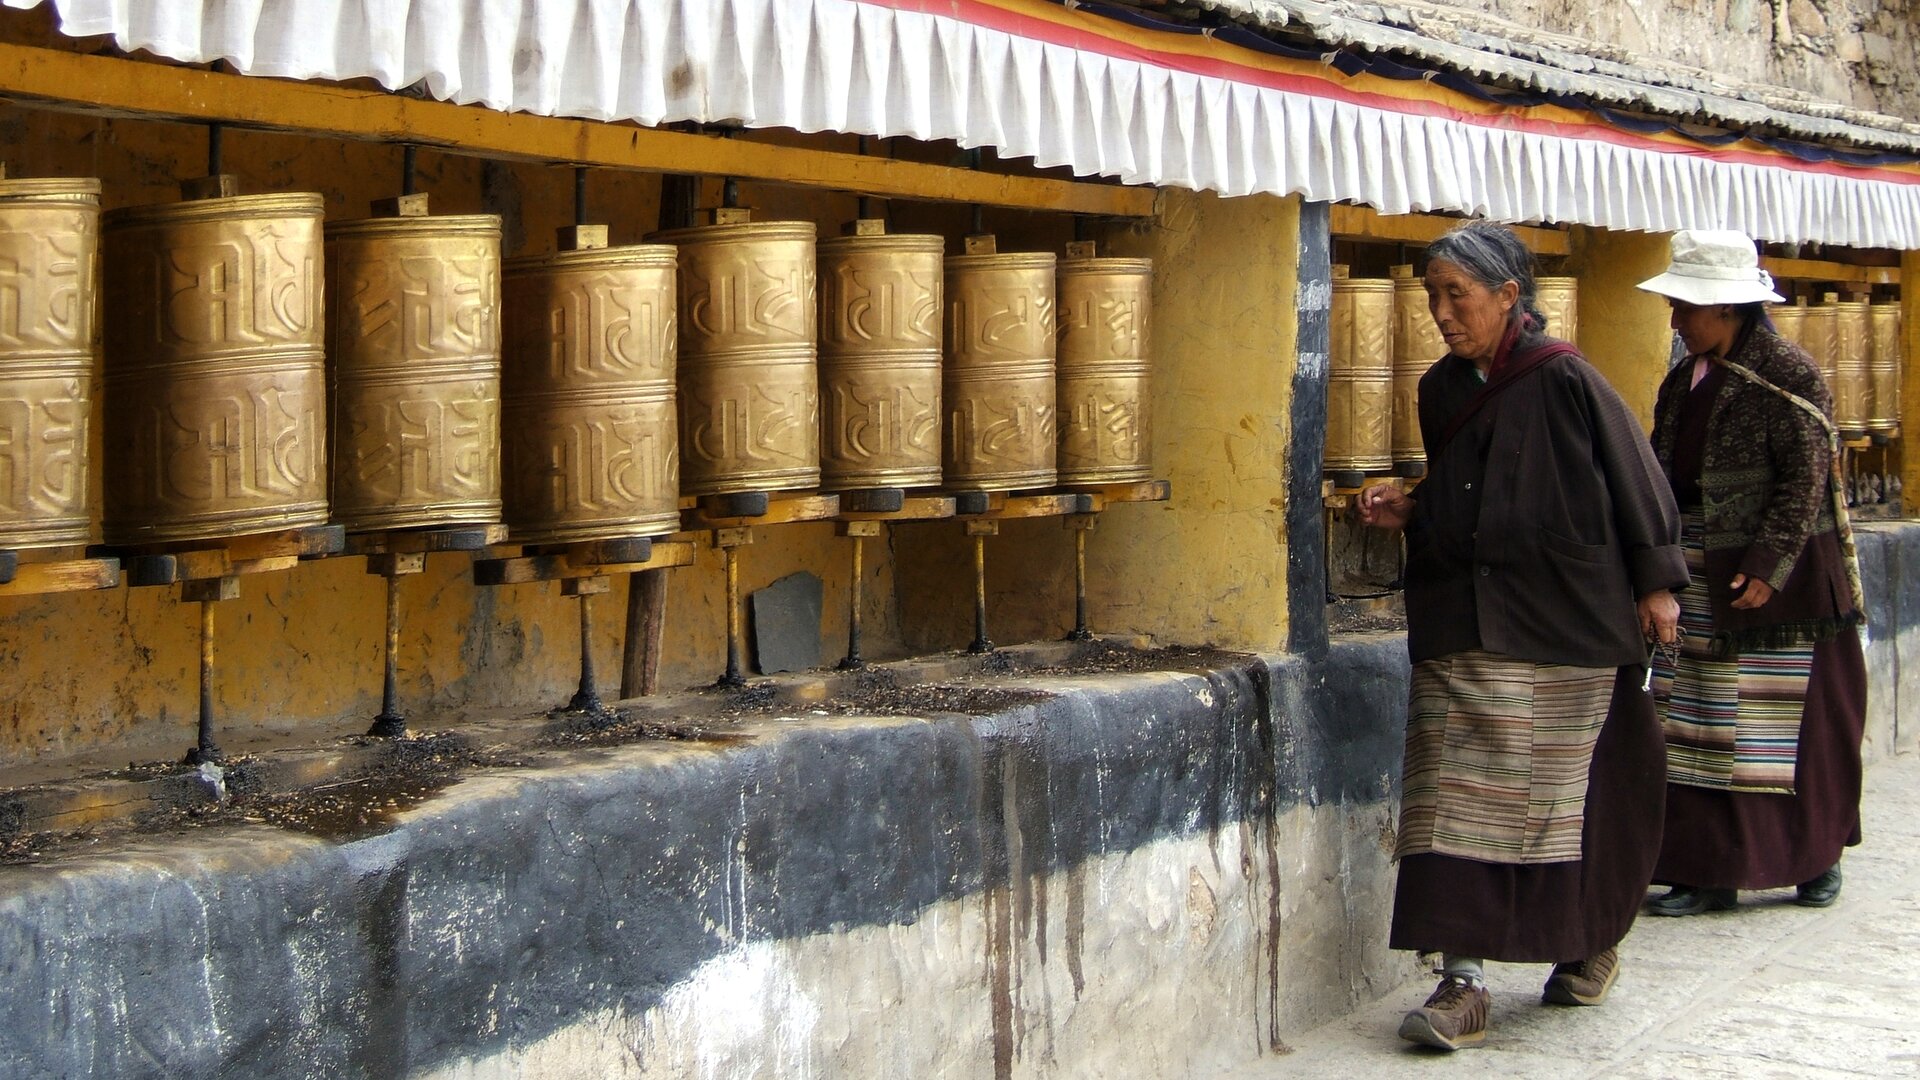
(1753, 592)
(1660, 617)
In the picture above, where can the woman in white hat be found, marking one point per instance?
(1765, 702)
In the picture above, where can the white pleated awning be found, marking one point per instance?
(1029, 79)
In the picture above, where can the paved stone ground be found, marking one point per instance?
(1771, 990)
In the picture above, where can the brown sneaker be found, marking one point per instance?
(1583, 982)
(1454, 1016)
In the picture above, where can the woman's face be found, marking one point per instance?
(1705, 329)
(1471, 317)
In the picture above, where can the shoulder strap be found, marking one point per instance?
(1843, 525)
(1518, 369)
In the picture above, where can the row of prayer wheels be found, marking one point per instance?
(577, 395)
(1856, 346)
(1382, 341)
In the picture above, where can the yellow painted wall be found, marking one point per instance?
(1624, 331)
(1209, 566)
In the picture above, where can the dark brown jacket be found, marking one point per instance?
(1541, 522)
(1766, 504)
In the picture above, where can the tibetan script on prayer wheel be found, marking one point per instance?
(413, 332)
(49, 348)
(1105, 313)
(1360, 374)
(1883, 363)
(214, 381)
(1850, 368)
(880, 361)
(592, 438)
(999, 380)
(1417, 344)
(1559, 300)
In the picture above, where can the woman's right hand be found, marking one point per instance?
(1384, 506)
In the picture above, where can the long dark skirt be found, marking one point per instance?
(1552, 912)
(1721, 840)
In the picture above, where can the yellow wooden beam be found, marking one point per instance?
(50, 78)
(1815, 270)
(1366, 223)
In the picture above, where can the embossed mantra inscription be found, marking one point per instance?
(999, 378)
(414, 334)
(1105, 343)
(749, 394)
(1360, 375)
(214, 378)
(1417, 344)
(880, 361)
(591, 437)
(49, 259)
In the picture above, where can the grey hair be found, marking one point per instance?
(1493, 255)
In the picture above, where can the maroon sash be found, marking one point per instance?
(1515, 369)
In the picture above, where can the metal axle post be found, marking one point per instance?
(980, 530)
(390, 724)
(729, 541)
(204, 748)
(1081, 524)
(587, 698)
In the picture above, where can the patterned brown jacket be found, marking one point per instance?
(1765, 504)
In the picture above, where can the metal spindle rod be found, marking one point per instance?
(204, 749)
(730, 193)
(853, 659)
(587, 698)
(390, 724)
(216, 138)
(579, 194)
(981, 643)
(733, 676)
(1080, 631)
(409, 158)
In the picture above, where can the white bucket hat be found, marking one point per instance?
(1714, 266)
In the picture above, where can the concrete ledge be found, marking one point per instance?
(1176, 868)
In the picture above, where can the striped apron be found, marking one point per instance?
(1498, 752)
(1732, 723)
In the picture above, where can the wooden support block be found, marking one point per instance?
(476, 537)
(857, 528)
(397, 564)
(143, 571)
(524, 569)
(202, 563)
(271, 564)
(913, 508)
(966, 503)
(401, 206)
(313, 542)
(581, 237)
(781, 510)
(220, 588)
(585, 586)
(735, 504)
(732, 537)
(1080, 522)
(629, 549)
(77, 575)
(982, 527)
(219, 186)
(1037, 506)
(1144, 491)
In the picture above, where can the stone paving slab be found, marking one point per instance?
(1772, 990)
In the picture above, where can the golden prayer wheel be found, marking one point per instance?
(1106, 335)
(1850, 385)
(880, 360)
(215, 384)
(1417, 344)
(1559, 300)
(1790, 322)
(1360, 374)
(1820, 336)
(592, 443)
(999, 382)
(1883, 369)
(749, 388)
(414, 335)
(49, 347)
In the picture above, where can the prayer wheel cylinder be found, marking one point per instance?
(1360, 375)
(414, 335)
(880, 299)
(1106, 324)
(1820, 336)
(1559, 300)
(1790, 322)
(215, 383)
(748, 386)
(1417, 344)
(49, 349)
(1850, 385)
(999, 382)
(591, 439)
(1883, 369)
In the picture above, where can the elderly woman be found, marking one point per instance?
(1542, 551)
(1765, 703)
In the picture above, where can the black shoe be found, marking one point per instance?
(1687, 900)
(1821, 891)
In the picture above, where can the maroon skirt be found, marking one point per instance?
(1723, 840)
(1552, 912)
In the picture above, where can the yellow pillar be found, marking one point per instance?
(1909, 377)
(1624, 331)
(1210, 566)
